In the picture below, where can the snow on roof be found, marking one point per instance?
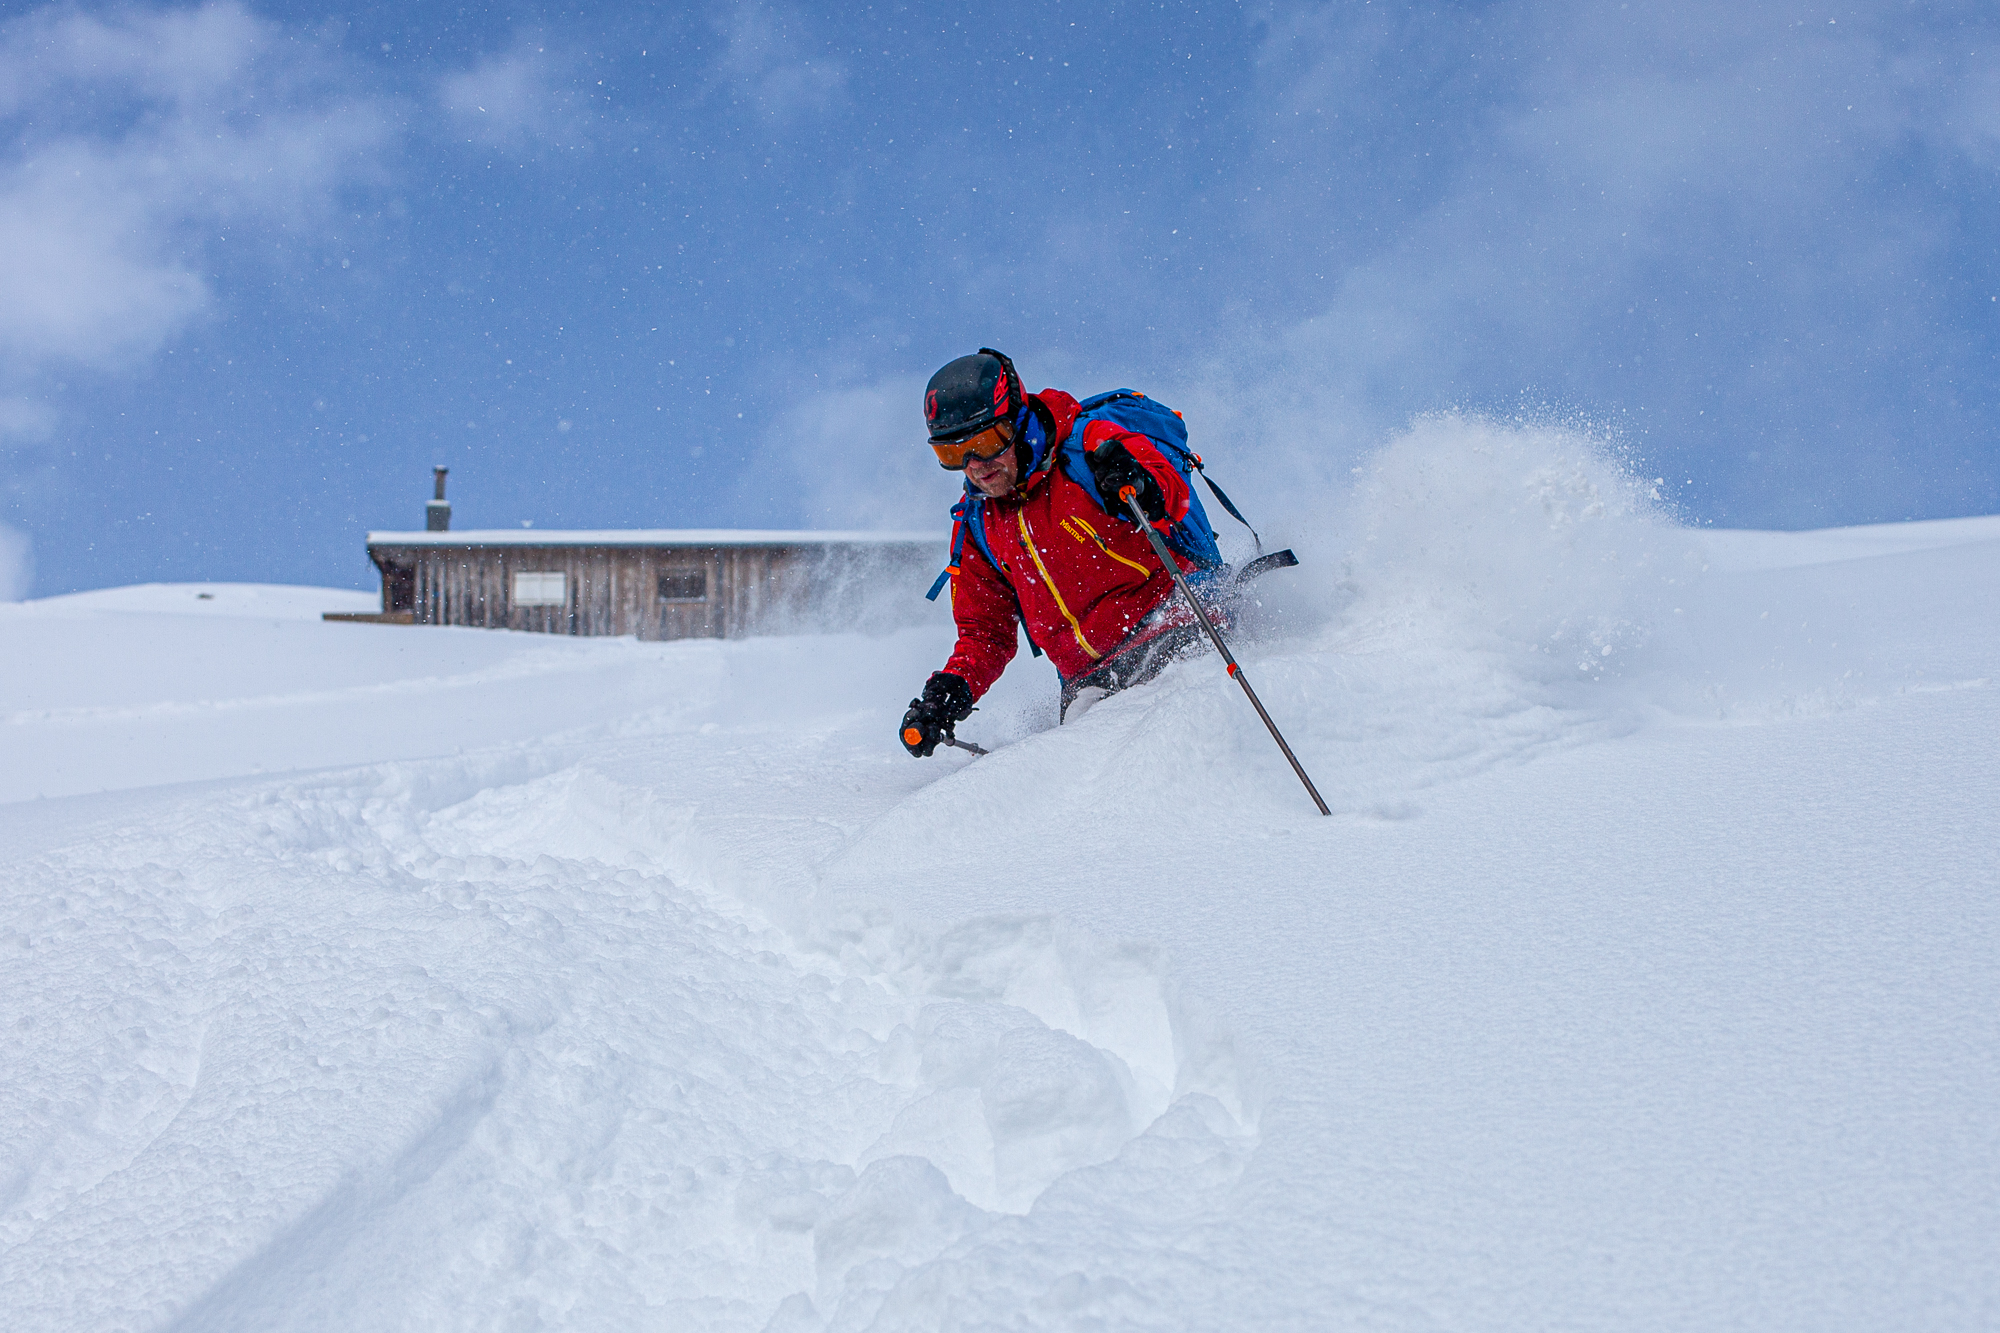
(650, 537)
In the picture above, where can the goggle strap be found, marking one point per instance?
(1017, 393)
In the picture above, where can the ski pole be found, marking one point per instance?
(956, 743)
(1130, 495)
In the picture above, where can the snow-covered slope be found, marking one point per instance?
(379, 977)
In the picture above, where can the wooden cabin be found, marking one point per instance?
(664, 584)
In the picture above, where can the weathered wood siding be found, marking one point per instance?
(647, 591)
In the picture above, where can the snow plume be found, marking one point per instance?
(1482, 531)
(856, 458)
(17, 566)
(1499, 579)
(135, 141)
(1481, 593)
(1531, 572)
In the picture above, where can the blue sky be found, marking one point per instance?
(261, 266)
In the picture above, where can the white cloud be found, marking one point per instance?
(177, 56)
(511, 98)
(17, 564)
(1978, 118)
(770, 64)
(1667, 205)
(133, 139)
(24, 419)
(80, 281)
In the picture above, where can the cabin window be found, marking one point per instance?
(541, 588)
(399, 587)
(684, 585)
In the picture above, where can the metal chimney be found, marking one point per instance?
(437, 514)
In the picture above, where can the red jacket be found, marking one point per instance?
(1076, 577)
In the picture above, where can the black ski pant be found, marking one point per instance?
(1135, 662)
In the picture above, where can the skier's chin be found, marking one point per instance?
(996, 482)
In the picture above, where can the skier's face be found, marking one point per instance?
(996, 475)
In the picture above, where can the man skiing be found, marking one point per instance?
(1043, 539)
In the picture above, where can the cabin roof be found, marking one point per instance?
(663, 537)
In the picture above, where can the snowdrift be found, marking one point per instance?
(374, 977)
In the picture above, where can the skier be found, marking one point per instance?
(1061, 557)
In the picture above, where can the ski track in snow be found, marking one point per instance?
(648, 985)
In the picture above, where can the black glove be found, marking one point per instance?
(1114, 468)
(946, 702)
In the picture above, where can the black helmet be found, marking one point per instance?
(970, 394)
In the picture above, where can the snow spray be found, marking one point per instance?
(1130, 495)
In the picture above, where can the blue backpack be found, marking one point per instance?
(1131, 410)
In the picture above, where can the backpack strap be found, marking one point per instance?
(969, 515)
(1234, 512)
(957, 548)
(1194, 461)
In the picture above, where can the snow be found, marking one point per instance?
(363, 976)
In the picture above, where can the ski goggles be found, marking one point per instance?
(986, 446)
